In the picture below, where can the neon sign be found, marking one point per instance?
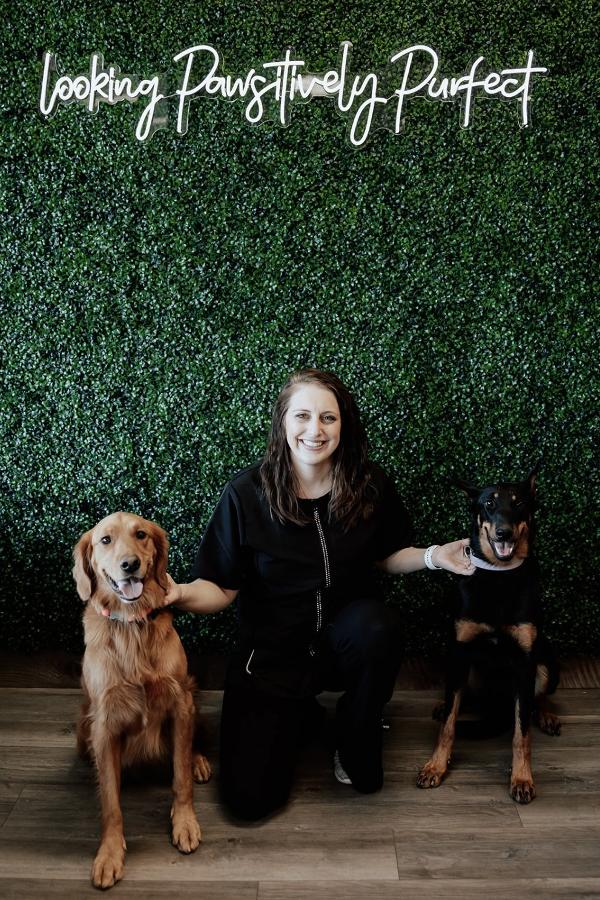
(370, 101)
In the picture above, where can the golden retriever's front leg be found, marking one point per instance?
(83, 732)
(186, 830)
(108, 866)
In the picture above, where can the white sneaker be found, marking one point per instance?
(338, 770)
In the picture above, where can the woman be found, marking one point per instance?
(295, 539)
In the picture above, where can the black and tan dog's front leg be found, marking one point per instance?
(522, 788)
(433, 771)
(546, 681)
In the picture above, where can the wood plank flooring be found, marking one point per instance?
(466, 839)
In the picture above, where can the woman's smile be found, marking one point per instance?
(312, 445)
(312, 425)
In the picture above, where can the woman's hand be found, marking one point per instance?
(174, 593)
(451, 557)
(199, 596)
(454, 558)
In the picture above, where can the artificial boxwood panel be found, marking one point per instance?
(155, 296)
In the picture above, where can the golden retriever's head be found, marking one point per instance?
(122, 561)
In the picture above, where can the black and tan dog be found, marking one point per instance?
(498, 628)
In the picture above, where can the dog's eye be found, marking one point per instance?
(140, 534)
(489, 504)
(105, 539)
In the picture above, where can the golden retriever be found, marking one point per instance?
(138, 697)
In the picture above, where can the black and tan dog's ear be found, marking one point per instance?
(471, 490)
(531, 480)
(83, 571)
(161, 548)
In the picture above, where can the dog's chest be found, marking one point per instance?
(498, 599)
(135, 653)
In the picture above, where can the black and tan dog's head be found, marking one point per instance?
(122, 561)
(502, 518)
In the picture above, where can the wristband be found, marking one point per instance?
(427, 557)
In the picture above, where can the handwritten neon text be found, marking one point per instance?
(372, 100)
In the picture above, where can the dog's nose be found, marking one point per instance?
(504, 534)
(130, 564)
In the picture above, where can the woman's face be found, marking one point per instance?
(312, 425)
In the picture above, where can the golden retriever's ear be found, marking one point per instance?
(83, 571)
(161, 547)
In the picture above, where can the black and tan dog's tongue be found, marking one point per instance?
(504, 549)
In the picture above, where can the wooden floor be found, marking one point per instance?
(466, 839)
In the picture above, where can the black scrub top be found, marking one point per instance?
(293, 579)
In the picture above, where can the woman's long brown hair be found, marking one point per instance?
(352, 490)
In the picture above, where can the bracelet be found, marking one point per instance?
(427, 557)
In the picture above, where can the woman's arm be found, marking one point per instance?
(198, 596)
(450, 556)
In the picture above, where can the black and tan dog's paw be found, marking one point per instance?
(431, 775)
(437, 713)
(522, 790)
(547, 722)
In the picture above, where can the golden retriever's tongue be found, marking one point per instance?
(131, 588)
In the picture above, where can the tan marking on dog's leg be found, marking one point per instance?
(524, 634)
(186, 834)
(433, 771)
(522, 788)
(467, 630)
(541, 680)
(108, 865)
(546, 720)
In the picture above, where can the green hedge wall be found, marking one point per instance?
(155, 297)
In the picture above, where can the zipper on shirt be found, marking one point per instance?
(312, 649)
(319, 611)
(323, 546)
(327, 571)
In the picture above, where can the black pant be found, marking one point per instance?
(260, 733)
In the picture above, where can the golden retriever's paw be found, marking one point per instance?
(108, 866)
(430, 775)
(201, 770)
(186, 832)
(522, 790)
